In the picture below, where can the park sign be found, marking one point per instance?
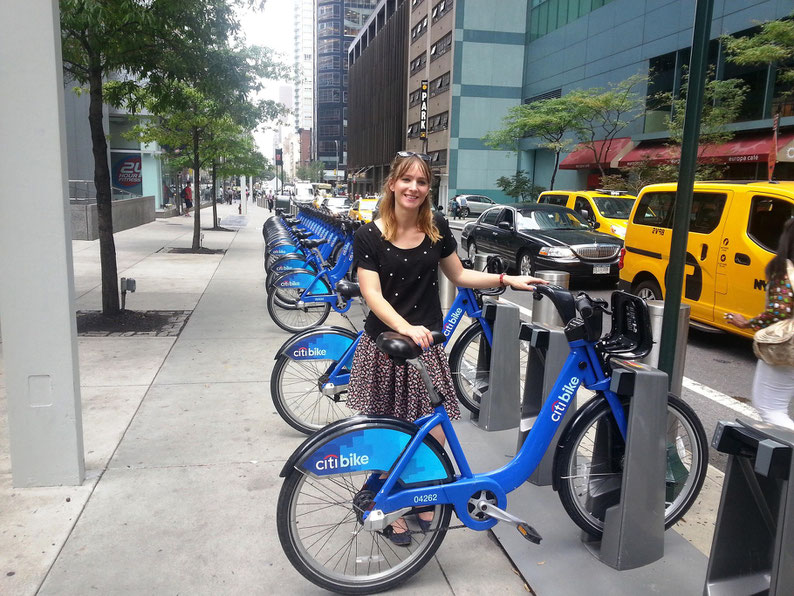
(423, 112)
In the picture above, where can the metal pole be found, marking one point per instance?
(686, 182)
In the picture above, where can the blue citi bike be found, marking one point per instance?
(347, 483)
(310, 378)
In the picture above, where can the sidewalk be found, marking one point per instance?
(182, 444)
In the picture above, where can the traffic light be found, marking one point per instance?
(279, 160)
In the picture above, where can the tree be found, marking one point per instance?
(633, 178)
(155, 40)
(774, 44)
(519, 186)
(311, 172)
(549, 120)
(605, 112)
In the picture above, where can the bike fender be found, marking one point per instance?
(328, 342)
(283, 249)
(370, 443)
(292, 260)
(585, 411)
(300, 279)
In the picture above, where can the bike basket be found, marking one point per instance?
(630, 336)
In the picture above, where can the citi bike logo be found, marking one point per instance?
(453, 320)
(305, 352)
(334, 462)
(289, 283)
(561, 403)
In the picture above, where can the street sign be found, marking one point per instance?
(423, 112)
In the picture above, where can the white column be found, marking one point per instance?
(37, 287)
(243, 198)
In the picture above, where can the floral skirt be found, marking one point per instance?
(379, 386)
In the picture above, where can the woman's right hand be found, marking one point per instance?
(419, 334)
(734, 318)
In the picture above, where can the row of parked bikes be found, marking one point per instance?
(355, 474)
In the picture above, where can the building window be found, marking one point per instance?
(328, 28)
(328, 95)
(440, 9)
(438, 122)
(415, 3)
(328, 79)
(328, 46)
(441, 47)
(413, 130)
(419, 62)
(327, 147)
(547, 15)
(414, 98)
(332, 11)
(330, 114)
(328, 130)
(419, 30)
(438, 158)
(328, 63)
(439, 85)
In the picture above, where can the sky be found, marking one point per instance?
(274, 28)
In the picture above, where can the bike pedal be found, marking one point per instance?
(529, 533)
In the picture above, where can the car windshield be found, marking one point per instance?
(614, 207)
(337, 202)
(552, 219)
(368, 204)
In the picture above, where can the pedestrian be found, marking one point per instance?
(773, 384)
(187, 196)
(270, 202)
(454, 207)
(397, 259)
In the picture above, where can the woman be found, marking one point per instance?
(397, 258)
(773, 386)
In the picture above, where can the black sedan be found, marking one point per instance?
(535, 237)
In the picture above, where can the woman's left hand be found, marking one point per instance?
(523, 282)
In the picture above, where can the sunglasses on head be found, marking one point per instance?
(422, 156)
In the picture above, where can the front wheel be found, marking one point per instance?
(319, 527)
(295, 389)
(293, 319)
(648, 290)
(469, 363)
(589, 466)
(464, 213)
(472, 250)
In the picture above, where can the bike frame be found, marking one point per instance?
(465, 303)
(582, 367)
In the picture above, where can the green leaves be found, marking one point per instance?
(774, 44)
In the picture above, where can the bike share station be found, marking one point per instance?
(635, 554)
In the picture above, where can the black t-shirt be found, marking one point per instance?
(408, 277)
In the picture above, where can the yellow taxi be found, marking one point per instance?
(606, 210)
(362, 209)
(734, 228)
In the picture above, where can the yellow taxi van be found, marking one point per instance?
(734, 228)
(607, 210)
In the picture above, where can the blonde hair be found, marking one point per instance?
(399, 166)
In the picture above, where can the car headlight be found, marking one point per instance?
(557, 252)
(618, 230)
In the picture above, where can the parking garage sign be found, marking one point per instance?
(423, 112)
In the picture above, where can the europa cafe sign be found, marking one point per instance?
(423, 112)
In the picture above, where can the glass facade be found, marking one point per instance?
(547, 15)
(338, 22)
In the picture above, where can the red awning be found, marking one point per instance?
(745, 149)
(582, 158)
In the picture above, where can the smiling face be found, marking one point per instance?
(410, 189)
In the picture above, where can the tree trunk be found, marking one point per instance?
(554, 171)
(215, 225)
(107, 246)
(196, 196)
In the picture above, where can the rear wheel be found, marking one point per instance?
(464, 212)
(293, 319)
(589, 467)
(320, 530)
(472, 251)
(648, 290)
(295, 390)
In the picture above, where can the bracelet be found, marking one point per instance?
(502, 279)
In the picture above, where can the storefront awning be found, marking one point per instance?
(745, 149)
(582, 158)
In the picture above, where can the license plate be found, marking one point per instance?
(600, 269)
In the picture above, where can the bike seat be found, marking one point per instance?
(301, 235)
(403, 347)
(314, 243)
(348, 289)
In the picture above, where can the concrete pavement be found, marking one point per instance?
(182, 444)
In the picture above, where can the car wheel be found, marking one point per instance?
(525, 264)
(464, 213)
(648, 290)
(472, 251)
